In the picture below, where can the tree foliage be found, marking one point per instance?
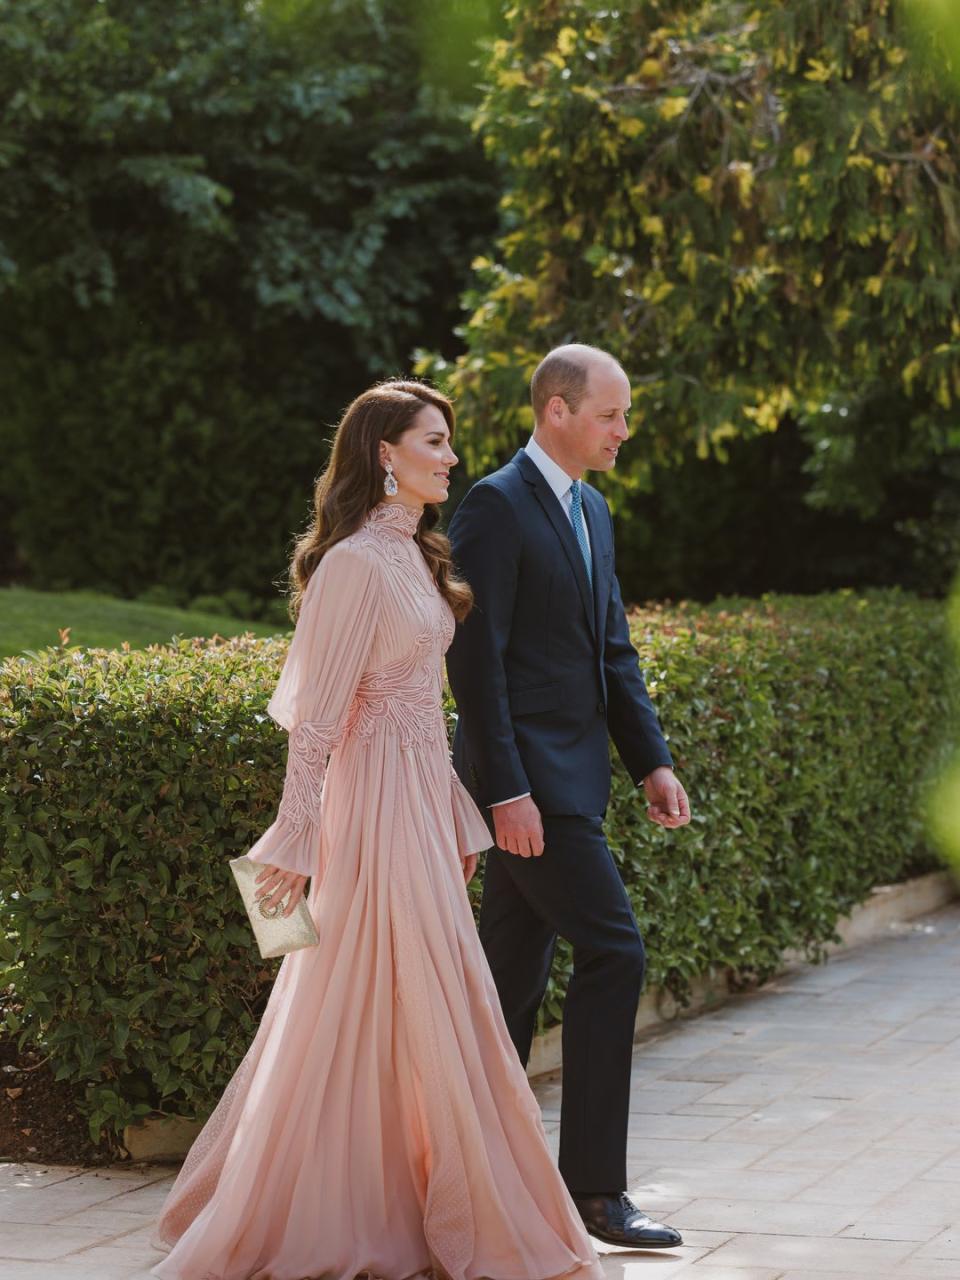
(754, 206)
(218, 221)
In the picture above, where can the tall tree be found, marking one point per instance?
(756, 207)
(218, 221)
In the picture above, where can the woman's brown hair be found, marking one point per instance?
(352, 484)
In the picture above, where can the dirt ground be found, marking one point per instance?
(41, 1119)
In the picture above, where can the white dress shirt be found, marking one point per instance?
(556, 478)
(561, 484)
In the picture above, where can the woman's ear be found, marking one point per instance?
(384, 453)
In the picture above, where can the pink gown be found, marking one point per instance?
(380, 1123)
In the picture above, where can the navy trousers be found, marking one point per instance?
(573, 889)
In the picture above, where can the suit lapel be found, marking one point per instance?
(564, 530)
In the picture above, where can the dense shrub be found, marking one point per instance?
(218, 223)
(945, 806)
(807, 731)
(803, 729)
(746, 525)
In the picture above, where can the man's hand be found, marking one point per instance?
(276, 885)
(667, 802)
(469, 867)
(518, 827)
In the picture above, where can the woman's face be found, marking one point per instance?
(422, 459)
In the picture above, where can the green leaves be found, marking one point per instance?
(807, 732)
(804, 730)
(179, 1043)
(755, 211)
(246, 217)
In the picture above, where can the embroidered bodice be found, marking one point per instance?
(378, 630)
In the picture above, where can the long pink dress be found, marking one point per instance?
(380, 1123)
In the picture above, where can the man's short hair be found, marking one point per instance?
(563, 372)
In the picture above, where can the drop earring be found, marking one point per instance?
(389, 481)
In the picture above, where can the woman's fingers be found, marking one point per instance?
(268, 881)
(296, 893)
(275, 884)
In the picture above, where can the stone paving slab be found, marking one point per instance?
(807, 1131)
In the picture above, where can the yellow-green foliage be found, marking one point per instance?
(936, 37)
(945, 808)
(803, 729)
(755, 207)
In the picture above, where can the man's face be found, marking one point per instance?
(599, 427)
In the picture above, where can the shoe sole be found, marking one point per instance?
(624, 1244)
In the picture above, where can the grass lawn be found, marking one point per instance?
(32, 620)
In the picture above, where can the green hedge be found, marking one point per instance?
(803, 728)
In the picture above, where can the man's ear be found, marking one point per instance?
(555, 408)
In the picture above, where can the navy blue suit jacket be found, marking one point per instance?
(543, 670)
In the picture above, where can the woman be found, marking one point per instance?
(380, 1123)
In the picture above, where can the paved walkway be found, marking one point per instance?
(810, 1131)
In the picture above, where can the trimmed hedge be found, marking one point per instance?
(804, 729)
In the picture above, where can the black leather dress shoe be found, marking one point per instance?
(617, 1220)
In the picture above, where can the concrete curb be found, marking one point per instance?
(887, 906)
(168, 1138)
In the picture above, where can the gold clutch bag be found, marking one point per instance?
(275, 935)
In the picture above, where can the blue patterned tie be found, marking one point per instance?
(576, 518)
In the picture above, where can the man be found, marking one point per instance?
(542, 671)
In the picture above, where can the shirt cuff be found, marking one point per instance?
(497, 803)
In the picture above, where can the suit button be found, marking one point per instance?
(602, 708)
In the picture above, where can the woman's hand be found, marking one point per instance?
(276, 885)
(469, 867)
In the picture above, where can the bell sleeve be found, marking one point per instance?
(312, 700)
(473, 834)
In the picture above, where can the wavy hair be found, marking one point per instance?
(352, 485)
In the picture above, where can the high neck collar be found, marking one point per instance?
(395, 518)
